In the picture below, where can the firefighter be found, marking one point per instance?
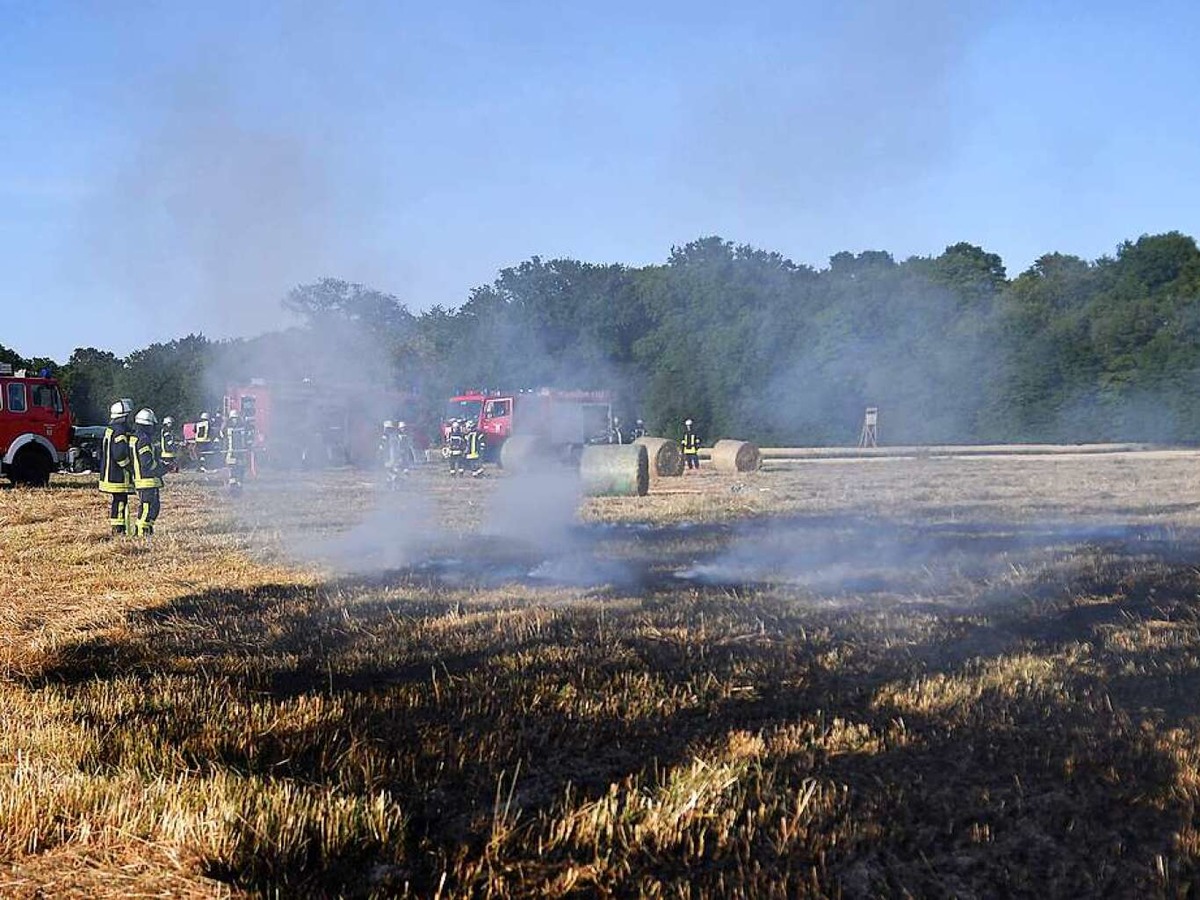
(691, 446)
(475, 446)
(615, 434)
(408, 453)
(237, 451)
(204, 440)
(639, 430)
(166, 445)
(116, 479)
(390, 454)
(455, 446)
(147, 469)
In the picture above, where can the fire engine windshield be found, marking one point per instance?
(463, 409)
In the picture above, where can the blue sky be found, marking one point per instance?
(167, 168)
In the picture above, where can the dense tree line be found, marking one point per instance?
(751, 344)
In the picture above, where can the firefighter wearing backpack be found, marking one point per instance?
(116, 478)
(147, 469)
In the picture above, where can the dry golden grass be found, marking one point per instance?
(991, 688)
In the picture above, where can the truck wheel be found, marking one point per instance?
(31, 466)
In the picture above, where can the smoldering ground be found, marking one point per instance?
(527, 532)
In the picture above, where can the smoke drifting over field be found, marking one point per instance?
(212, 216)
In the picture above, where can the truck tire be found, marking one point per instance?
(31, 467)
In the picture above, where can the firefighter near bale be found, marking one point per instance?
(116, 471)
(690, 445)
(639, 430)
(456, 447)
(237, 450)
(148, 469)
(616, 434)
(476, 446)
(167, 448)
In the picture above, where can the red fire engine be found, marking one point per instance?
(35, 426)
(306, 423)
(565, 419)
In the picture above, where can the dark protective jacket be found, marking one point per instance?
(475, 444)
(237, 447)
(691, 443)
(115, 471)
(456, 443)
(147, 467)
(166, 445)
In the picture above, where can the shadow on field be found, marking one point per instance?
(1004, 740)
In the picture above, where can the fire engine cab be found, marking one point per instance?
(35, 426)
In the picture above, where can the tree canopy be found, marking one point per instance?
(749, 343)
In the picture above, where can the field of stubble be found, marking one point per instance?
(934, 677)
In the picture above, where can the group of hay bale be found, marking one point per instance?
(624, 470)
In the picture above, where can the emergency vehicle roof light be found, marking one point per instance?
(5, 368)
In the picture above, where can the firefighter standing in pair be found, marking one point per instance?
(691, 446)
(148, 470)
(116, 479)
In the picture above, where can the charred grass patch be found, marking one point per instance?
(198, 716)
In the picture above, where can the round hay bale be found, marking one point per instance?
(525, 452)
(615, 470)
(735, 456)
(666, 459)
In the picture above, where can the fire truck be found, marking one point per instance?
(35, 426)
(313, 424)
(566, 420)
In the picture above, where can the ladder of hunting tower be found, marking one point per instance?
(869, 437)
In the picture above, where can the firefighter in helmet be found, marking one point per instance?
(691, 445)
(166, 445)
(147, 468)
(237, 450)
(389, 454)
(456, 446)
(639, 430)
(408, 452)
(616, 435)
(204, 440)
(116, 478)
(475, 447)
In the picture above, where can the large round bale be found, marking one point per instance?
(666, 459)
(615, 470)
(735, 456)
(525, 453)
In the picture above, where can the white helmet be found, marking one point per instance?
(145, 417)
(687, 422)
(388, 423)
(168, 422)
(399, 426)
(204, 417)
(120, 409)
(234, 414)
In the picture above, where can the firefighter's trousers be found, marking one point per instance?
(149, 511)
(118, 513)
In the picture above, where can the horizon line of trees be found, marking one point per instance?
(749, 344)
